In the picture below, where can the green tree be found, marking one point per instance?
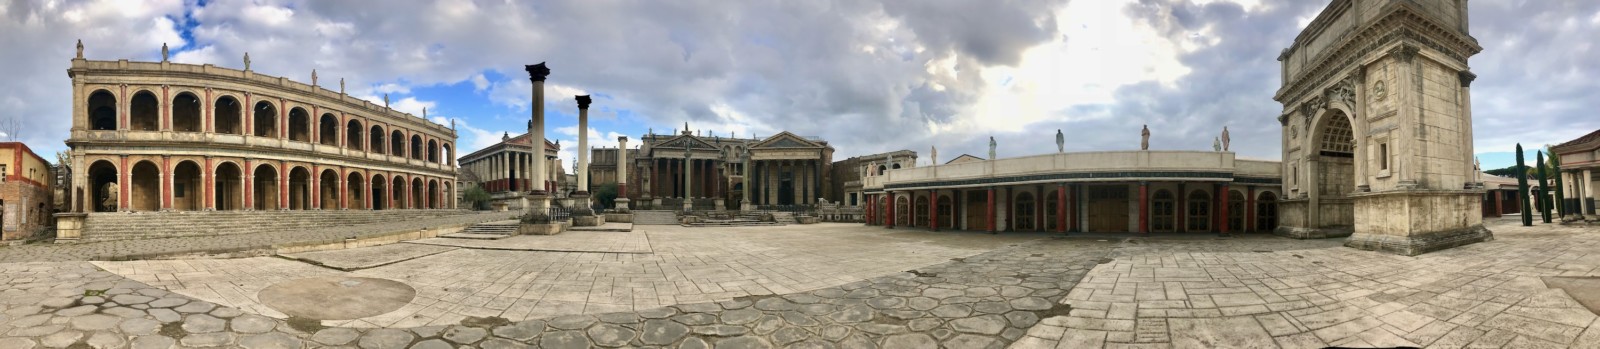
(605, 194)
(476, 197)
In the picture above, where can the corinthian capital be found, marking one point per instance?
(537, 72)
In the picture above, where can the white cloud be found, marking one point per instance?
(479, 83)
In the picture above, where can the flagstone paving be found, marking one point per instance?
(1025, 291)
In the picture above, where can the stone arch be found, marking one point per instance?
(418, 195)
(186, 112)
(299, 188)
(416, 146)
(328, 190)
(144, 111)
(380, 193)
(1163, 211)
(187, 182)
(145, 193)
(433, 194)
(299, 125)
(433, 151)
(355, 187)
(265, 188)
(352, 134)
(1266, 211)
(397, 192)
(1197, 207)
(227, 116)
(449, 154)
(376, 140)
(397, 143)
(1332, 150)
(328, 130)
(102, 110)
(265, 120)
(102, 198)
(228, 191)
(449, 189)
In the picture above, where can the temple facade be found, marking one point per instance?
(713, 172)
(504, 169)
(1580, 159)
(1103, 192)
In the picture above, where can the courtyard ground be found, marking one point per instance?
(822, 286)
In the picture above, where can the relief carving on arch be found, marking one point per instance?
(1344, 91)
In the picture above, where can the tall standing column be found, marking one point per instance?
(688, 172)
(890, 210)
(622, 166)
(537, 73)
(583, 146)
(1587, 194)
(933, 210)
(1222, 210)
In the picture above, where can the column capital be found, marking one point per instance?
(583, 101)
(537, 72)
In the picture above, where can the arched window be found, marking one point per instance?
(416, 147)
(226, 116)
(265, 121)
(433, 151)
(328, 130)
(377, 145)
(102, 111)
(1199, 206)
(353, 132)
(229, 187)
(299, 125)
(397, 143)
(145, 112)
(186, 113)
(1163, 211)
(449, 155)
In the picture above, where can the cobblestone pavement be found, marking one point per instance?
(1026, 292)
(573, 241)
(124, 249)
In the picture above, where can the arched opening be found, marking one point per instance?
(1266, 211)
(328, 190)
(356, 191)
(186, 113)
(187, 194)
(1163, 211)
(398, 193)
(881, 168)
(946, 212)
(104, 187)
(1026, 209)
(896, 166)
(397, 143)
(1199, 211)
(902, 211)
(449, 190)
(145, 195)
(450, 157)
(226, 116)
(380, 193)
(1334, 173)
(144, 114)
(416, 147)
(102, 111)
(299, 189)
(921, 219)
(433, 151)
(266, 120)
(328, 130)
(377, 145)
(352, 135)
(299, 125)
(229, 189)
(417, 191)
(1236, 206)
(433, 194)
(265, 188)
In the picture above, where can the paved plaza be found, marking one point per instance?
(832, 286)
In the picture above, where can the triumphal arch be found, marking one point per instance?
(1377, 127)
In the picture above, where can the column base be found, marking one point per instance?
(622, 205)
(1416, 244)
(1313, 233)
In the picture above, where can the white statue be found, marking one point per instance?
(246, 61)
(1225, 138)
(991, 147)
(164, 52)
(1216, 144)
(935, 160)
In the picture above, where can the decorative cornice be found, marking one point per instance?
(1401, 24)
(1466, 77)
(537, 72)
(583, 101)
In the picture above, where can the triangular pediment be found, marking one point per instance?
(680, 141)
(963, 158)
(786, 140)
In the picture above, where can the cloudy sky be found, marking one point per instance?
(868, 76)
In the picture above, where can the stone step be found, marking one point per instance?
(472, 236)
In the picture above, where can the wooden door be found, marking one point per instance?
(977, 206)
(1108, 208)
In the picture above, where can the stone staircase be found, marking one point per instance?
(784, 218)
(655, 218)
(487, 231)
(145, 225)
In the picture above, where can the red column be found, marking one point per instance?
(210, 183)
(1249, 209)
(1223, 208)
(166, 182)
(1061, 208)
(1499, 204)
(990, 215)
(316, 182)
(889, 220)
(1144, 208)
(124, 188)
(933, 210)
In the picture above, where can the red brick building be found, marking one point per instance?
(25, 192)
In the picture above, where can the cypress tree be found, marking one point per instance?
(1522, 189)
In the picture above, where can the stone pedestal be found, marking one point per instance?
(499, 206)
(622, 205)
(537, 202)
(744, 205)
(69, 226)
(619, 217)
(1413, 222)
(718, 205)
(588, 221)
(655, 204)
(688, 205)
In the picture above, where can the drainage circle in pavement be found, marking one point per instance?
(337, 297)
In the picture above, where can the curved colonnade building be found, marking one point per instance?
(162, 136)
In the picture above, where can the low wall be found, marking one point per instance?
(147, 225)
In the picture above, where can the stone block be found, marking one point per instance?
(539, 229)
(619, 217)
